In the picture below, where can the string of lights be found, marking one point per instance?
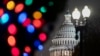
(30, 24)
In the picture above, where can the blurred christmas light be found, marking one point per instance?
(1, 12)
(15, 51)
(4, 18)
(37, 23)
(36, 43)
(11, 40)
(43, 9)
(51, 3)
(27, 49)
(42, 37)
(5, 1)
(25, 54)
(28, 2)
(30, 28)
(40, 47)
(19, 7)
(12, 29)
(26, 22)
(37, 15)
(22, 17)
(10, 5)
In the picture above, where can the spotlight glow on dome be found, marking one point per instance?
(4, 18)
(30, 28)
(28, 2)
(11, 40)
(10, 5)
(22, 17)
(37, 15)
(40, 47)
(12, 29)
(15, 51)
(19, 7)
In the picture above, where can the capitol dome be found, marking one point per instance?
(64, 39)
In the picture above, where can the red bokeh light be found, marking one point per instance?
(5, 1)
(1, 12)
(37, 23)
(42, 37)
(12, 29)
(19, 7)
(27, 49)
(15, 51)
(26, 22)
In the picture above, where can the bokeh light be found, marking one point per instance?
(4, 18)
(51, 3)
(28, 2)
(15, 51)
(37, 23)
(37, 15)
(5, 1)
(10, 5)
(25, 54)
(11, 40)
(40, 47)
(42, 37)
(12, 29)
(1, 12)
(22, 17)
(30, 28)
(26, 22)
(36, 43)
(19, 7)
(27, 49)
(43, 9)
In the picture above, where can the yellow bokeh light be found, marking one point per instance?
(37, 15)
(10, 5)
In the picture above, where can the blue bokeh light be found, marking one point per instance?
(36, 43)
(25, 54)
(40, 47)
(22, 17)
(30, 28)
(4, 18)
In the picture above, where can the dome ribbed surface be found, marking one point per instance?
(64, 38)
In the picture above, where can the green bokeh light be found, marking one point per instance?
(43, 9)
(51, 3)
(28, 2)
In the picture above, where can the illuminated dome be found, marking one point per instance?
(64, 40)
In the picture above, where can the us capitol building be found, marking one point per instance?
(64, 40)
